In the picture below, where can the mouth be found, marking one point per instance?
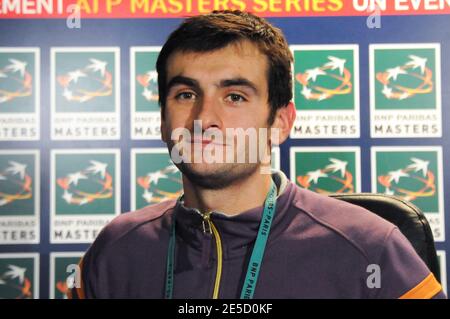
(205, 142)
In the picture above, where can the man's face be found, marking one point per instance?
(226, 88)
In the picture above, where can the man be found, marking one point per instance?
(239, 232)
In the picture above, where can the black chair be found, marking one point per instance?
(407, 217)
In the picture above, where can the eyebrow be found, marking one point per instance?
(239, 82)
(183, 80)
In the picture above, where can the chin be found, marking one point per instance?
(216, 176)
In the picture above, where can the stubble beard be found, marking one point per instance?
(215, 175)
(223, 176)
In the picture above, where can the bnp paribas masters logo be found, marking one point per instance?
(405, 90)
(146, 79)
(326, 79)
(85, 92)
(85, 183)
(96, 184)
(19, 197)
(145, 119)
(413, 174)
(85, 190)
(19, 276)
(326, 170)
(394, 89)
(16, 82)
(154, 177)
(16, 181)
(84, 82)
(19, 93)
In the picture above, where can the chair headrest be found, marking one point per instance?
(407, 217)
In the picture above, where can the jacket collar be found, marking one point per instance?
(239, 231)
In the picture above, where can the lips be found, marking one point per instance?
(201, 141)
(205, 142)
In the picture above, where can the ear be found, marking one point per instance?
(283, 122)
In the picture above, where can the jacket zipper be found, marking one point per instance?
(210, 228)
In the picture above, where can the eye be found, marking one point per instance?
(235, 98)
(183, 96)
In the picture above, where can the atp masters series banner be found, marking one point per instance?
(79, 118)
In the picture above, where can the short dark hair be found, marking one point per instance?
(216, 30)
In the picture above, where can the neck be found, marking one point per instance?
(231, 200)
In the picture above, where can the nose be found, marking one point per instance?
(208, 112)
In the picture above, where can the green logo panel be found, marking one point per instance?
(410, 175)
(405, 79)
(17, 82)
(61, 275)
(17, 185)
(326, 172)
(85, 184)
(157, 179)
(84, 82)
(324, 80)
(146, 82)
(17, 278)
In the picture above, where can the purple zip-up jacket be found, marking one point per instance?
(318, 247)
